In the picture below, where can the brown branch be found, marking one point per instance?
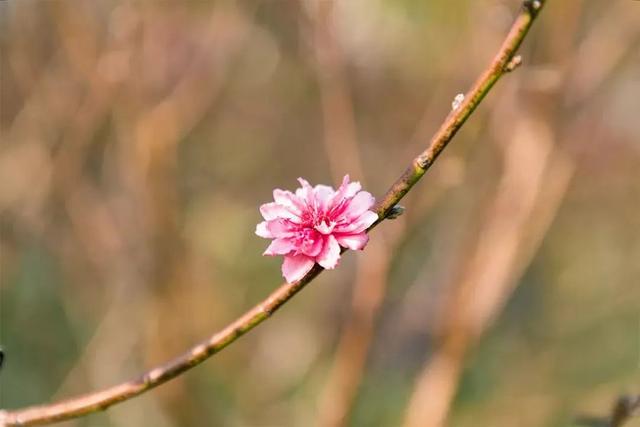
(535, 179)
(482, 292)
(455, 120)
(101, 400)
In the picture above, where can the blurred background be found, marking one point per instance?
(140, 137)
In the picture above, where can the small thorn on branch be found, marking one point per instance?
(514, 63)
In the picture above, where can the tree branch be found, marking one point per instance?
(101, 400)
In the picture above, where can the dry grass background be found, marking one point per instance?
(139, 138)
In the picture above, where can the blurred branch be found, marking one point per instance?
(480, 296)
(339, 126)
(101, 400)
(625, 408)
(535, 179)
(341, 389)
(340, 140)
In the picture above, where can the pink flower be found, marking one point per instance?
(311, 225)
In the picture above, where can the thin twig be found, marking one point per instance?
(459, 116)
(493, 263)
(103, 399)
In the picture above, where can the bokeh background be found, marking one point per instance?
(140, 137)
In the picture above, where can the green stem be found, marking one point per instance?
(101, 400)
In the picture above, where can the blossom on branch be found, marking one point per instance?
(310, 225)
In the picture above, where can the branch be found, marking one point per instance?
(533, 184)
(625, 408)
(101, 400)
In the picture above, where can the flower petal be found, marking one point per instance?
(263, 231)
(282, 228)
(361, 203)
(280, 247)
(330, 254)
(312, 244)
(295, 267)
(346, 191)
(325, 228)
(349, 189)
(305, 184)
(353, 241)
(272, 211)
(358, 225)
(324, 196)
(305, 193)
(288, 200)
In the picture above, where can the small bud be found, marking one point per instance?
(395, 212)
(457, 101)
(533, 5)
(514, 63)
